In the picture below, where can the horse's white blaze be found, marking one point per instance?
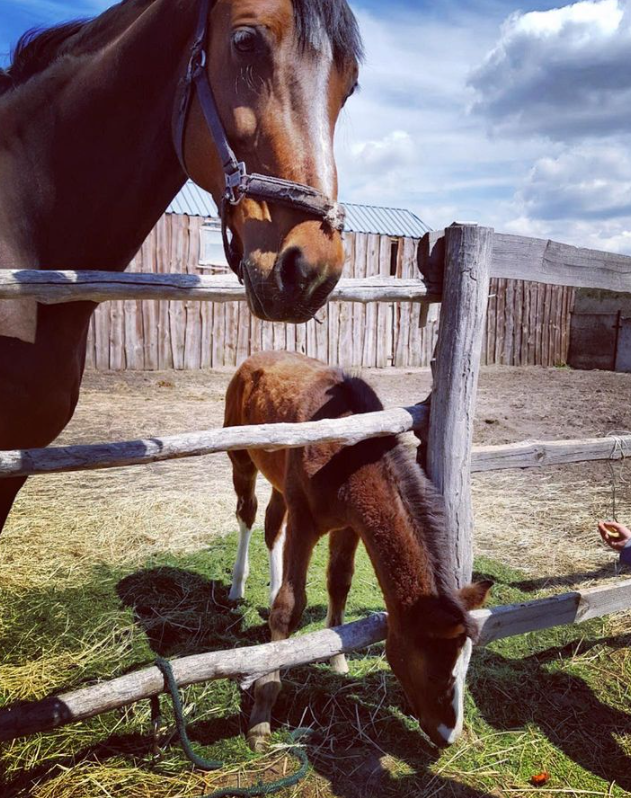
(460, 674)
(241, 567)
(276, 565)
(318, 103)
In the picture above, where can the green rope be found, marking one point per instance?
(210, 764)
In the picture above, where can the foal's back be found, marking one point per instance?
(273, 387)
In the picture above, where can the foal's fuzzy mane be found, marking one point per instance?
(424, 502)
(37, 49)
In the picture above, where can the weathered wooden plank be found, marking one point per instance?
(359, 313)
(383, 355)
(243, 333)
(369, 333)
(539, 260)
(462, 320)
(52, 288)
(348, 430)
(247, 663)
(509, 323)
(544, 453)
(102, 337)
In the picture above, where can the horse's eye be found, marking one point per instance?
(245, 40)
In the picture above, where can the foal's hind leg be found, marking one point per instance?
(339, 575)
(275, 540)
(244, 480)
(284, 618)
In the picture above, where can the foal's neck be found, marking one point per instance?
(86, 157)
(393, 535)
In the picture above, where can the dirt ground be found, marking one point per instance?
(541, 520)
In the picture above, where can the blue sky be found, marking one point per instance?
(510, 114)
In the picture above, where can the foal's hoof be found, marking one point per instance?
(339, 664)
(236, 593)
(258, 737)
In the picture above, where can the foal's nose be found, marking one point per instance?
(293, 272)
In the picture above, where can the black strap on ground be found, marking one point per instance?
(208, 764)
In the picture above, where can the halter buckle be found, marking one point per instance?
(197, 62)
(236, 184)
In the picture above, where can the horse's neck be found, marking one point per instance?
(90, 164)
(384, 522)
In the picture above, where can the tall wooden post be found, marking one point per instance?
(468, 250)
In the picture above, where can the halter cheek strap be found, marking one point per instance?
(238, 183)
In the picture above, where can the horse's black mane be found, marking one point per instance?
(37, 49)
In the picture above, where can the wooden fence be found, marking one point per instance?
(460, 274)
(527, 323)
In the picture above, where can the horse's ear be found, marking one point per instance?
(475, 594)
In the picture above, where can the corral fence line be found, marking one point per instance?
(527, 323)
(251, 662)
(456, 267)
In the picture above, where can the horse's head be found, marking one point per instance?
(428, 649)
(280, 72)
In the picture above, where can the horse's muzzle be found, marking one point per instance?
(292, 292)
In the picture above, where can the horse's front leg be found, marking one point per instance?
(339, 575)
(285, 615)
(9, 489)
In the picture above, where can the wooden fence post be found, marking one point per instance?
(468, 250)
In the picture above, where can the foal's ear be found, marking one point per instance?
(475, 594)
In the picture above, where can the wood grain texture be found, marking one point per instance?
(247, 663)
(539, 260)
(462, 323)
(56, 287)
(349, 430)
(531, 454)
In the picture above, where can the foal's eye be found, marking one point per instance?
(245, 40)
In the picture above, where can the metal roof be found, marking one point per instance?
(396, 222)
(194, 201)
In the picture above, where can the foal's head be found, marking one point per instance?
(428, 648)
(281, 71)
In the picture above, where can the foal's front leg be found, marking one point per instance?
(339, 575)
(285, 615)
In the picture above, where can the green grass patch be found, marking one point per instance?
(558, 700)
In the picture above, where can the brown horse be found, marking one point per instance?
(99, 123)
(372, 491)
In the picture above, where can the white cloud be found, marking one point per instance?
(585, 182)
(562, 73)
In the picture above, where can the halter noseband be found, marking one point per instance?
(239, 183)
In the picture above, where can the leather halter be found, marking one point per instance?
(239, 183)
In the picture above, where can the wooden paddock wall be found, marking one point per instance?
(527, 323)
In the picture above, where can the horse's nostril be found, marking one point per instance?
(292, 269)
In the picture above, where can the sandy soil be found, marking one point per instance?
(542, 520)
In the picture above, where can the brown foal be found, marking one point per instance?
(373, 491)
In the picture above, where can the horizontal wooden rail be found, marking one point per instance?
(348, 430)
(51, 287)
(248, 663)
(540, 260)
(545, 453)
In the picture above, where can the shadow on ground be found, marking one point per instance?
(364, 743)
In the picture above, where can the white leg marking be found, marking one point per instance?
(460, 673)
(276, 565)
(241, 567)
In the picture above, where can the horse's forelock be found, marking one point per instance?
(333, 19)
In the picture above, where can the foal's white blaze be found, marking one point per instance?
(241, 567)
(276, 565)
(460, 674)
